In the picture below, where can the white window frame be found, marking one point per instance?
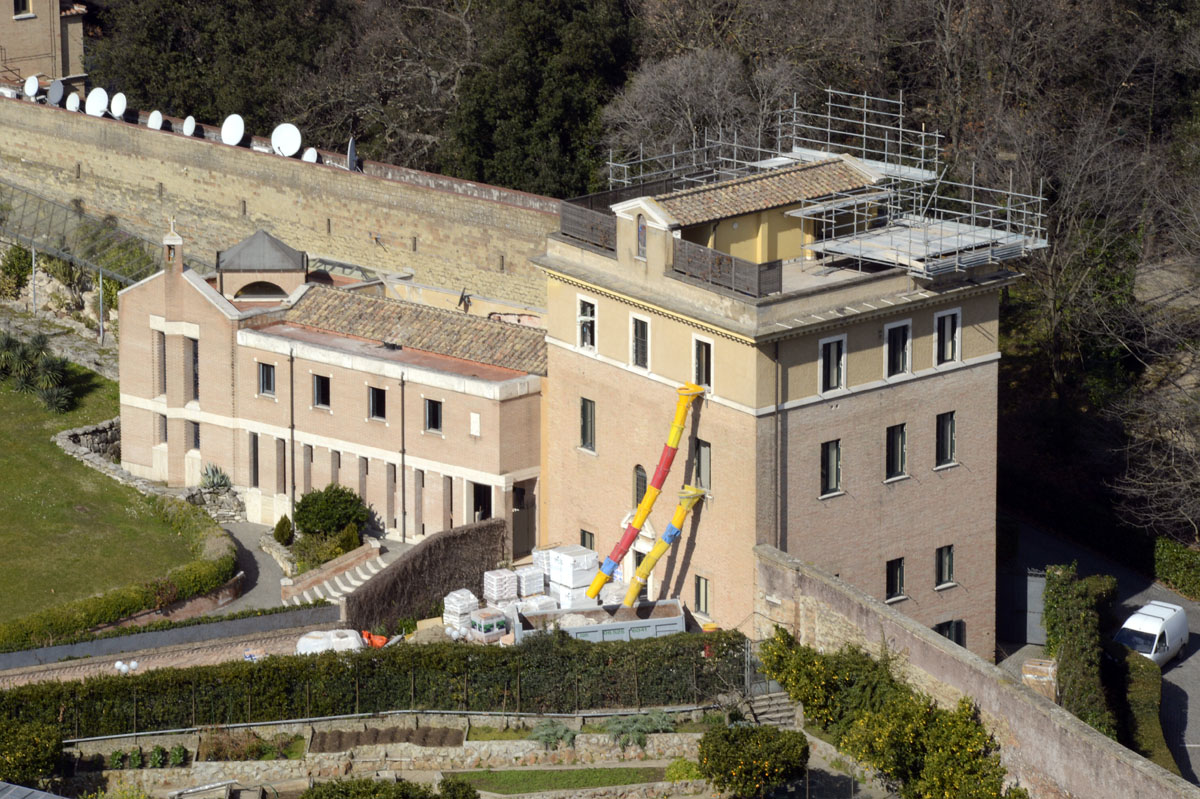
(634, 317)
(371, 417)
(706, 612)
(937, 568)
(579, 319)
(712, 357)
(903, 474)
(315, 377)
(956, 312)
(937, 433)
(908, 345)
(900, 595)
(258, 368)
(838, 490)
(843, 385)
(441, 413)
(698, 466)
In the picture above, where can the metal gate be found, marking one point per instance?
(757, 683)
(1019, 607)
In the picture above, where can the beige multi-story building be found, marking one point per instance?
(43, 38)
(431, 415)
(844, 324)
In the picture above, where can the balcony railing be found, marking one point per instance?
(720, 269)
(594, 227)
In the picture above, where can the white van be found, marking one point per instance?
(1158, 631)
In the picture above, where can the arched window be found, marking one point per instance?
(641, 223)
(639, 484)
(260, 290)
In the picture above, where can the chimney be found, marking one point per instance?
(173, 251)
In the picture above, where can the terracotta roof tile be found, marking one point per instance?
(763, 190)
(421, 327)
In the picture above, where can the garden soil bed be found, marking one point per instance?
(342, 740)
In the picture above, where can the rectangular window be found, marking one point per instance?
(945, 439)
(895, 457)
(376, 403)
(160, 363)
(194, 346)
(895, 578)
(20, 7)
(587, 325)
(433, 416)
(194, 434)
(703, 363)
(955, 630)
(833, 364)
(947, 337)
(587, 424)
(897, 348)
(640, 347)
(280, 466)
(587, 539)
(475, 425)
(702, 469)
(831, 467)
(944, 565)
(160, 429)
(266, 379)
(322, 396)
(702, 594)
(254, 460)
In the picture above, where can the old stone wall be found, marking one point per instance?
(1044, 748)
(447, 233)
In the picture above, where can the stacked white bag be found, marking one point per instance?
(531, 581)
(572, 568)
(456, 609)
(500, 586)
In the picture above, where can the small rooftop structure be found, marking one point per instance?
(261, 252)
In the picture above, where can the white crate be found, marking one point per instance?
(530, 581)
(572, 566)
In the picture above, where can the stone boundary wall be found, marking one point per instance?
(454, 234)
(88, 444)
(290, 587)
(1044, 748)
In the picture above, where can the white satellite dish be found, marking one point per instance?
(189, 126)
(118, 105)
(285, 140)
(310, 155)
(31, 86)
(233, 129)
(55, 95)
(96, 103)
(72, 102)
(155, 120)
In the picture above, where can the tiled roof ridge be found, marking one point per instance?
(446, 312)
(744, 179)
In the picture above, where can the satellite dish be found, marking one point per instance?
(31, 86)
(351, 157)
(233, 129)
(118, 105)
(310, 155)
(55, 95)
(97, 102)
(72, 102)
(155, 121)
(189, 126)
(285, 140)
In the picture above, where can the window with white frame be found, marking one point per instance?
(266, 379)
(194, 353)
(253, 459)
(433, 416)
(641, 236)
(898, 348)
(587, 324)
(948, 337)
(895, 579)
(895, 456)
(944, 445)
(702, 362)
(943, 565)
(21, 7)
(832, 357)
(587, 424)
(322, 393)
(831, 467)
(587, 539)
(702, 595)
(702, 465)
(377, 403)
(639, 342)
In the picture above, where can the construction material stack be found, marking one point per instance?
(487, 625)
(456, 610)
(500, 587)
(531, 581)
(571, 570)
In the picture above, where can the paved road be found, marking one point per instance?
(1181, 679)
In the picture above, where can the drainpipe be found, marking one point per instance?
(778, 450)
(33, 278)
(403, 474)
(292, 428)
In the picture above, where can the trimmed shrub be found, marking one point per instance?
(310, 551)
(28, 752)
(348, 539)
(1072, 619)
(681, 770)
(752, 761)
(283, 531)
(329, 510)
(1178, 566)
(1134, 686)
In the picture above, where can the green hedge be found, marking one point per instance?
(544, 674)
(1072, 617)
(1135, 688)
(215, 564)
(1178, 566)
(752, 761)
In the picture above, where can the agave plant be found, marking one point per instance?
(10, 349)
(38, 346)
(57, 399)
(23, 383)
(49, 372)
(214, 476)
(23, 362)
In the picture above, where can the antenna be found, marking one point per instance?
(310, 155)
(189, 126)
(118, 105)
(97, 102)
(233, 130)
(31, 87)
(55, 95)
(285, 140)
(155, 121)
(351, 157)
(72, 102)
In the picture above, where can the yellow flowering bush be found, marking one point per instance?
(752, 761)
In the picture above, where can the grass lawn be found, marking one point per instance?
(484, 733)
(524, 781)
(67, 531)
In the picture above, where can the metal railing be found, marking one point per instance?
(594, 227)
(726, 271)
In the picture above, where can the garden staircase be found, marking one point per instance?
(774, 709)
(341, 585)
